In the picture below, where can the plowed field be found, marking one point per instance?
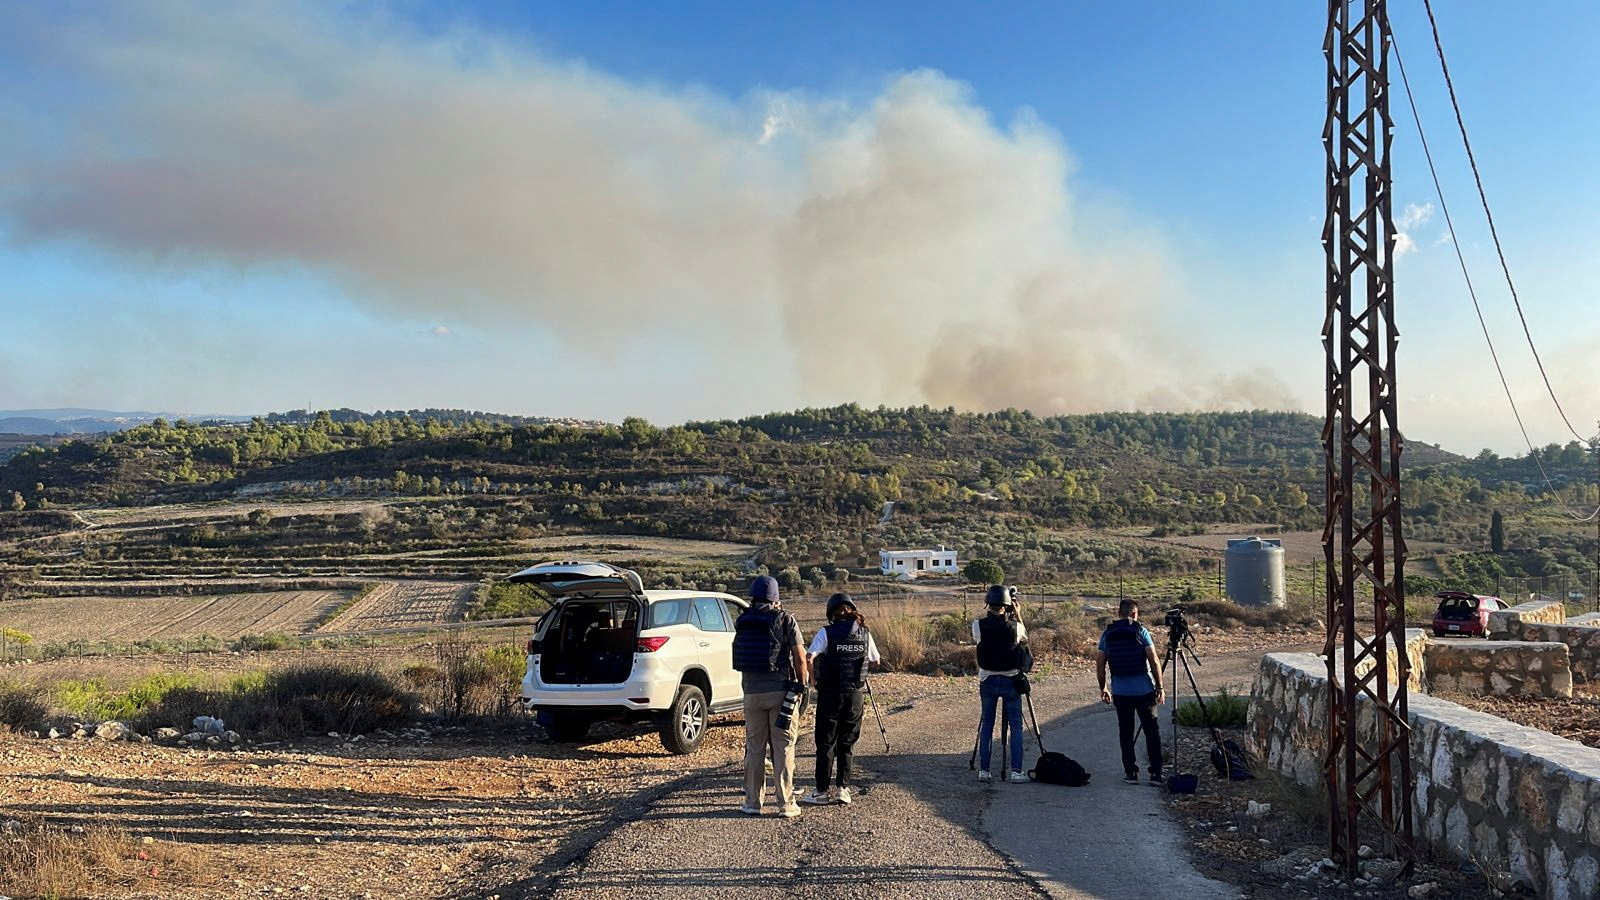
(404, 604)
(134, 618)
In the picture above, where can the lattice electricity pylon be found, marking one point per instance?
(1368, 756)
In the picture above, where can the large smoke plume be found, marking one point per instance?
(905, 249)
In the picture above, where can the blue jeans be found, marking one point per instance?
(991, 691)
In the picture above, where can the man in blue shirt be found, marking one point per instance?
(1128, 650)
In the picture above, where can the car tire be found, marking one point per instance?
(566, 729)
(683, 725)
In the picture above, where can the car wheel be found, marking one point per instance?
(566, 729)
(683, 725)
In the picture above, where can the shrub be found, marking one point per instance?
(476, 682)
(504, 600)
(1226, 708)
(323, 698)
(902, 643)
(21, 706)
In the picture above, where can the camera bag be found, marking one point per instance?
(1228, 758)
(1058, 768)
(1052, 767)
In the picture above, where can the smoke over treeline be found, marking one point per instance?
(903, 249)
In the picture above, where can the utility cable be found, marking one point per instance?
(1444, 209)
(1493, 233)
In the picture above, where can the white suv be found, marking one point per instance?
(609, 649)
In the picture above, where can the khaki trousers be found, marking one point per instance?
(763, 740)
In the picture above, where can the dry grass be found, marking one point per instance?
(902, 642)
(40, 859)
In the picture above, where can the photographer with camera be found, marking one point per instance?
(840, 655)
(1000, 637)
(770, 652)
(1128, 650)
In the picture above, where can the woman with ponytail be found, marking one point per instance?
(840, 654)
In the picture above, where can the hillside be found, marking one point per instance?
(1080, 494)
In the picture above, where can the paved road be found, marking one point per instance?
(922, 826)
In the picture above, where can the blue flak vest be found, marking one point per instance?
(1124, 651)
(759, 639)
(842, 664)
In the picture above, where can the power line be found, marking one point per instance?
(1466, 275)
(1493, 233)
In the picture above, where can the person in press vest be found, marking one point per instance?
(1127, 649)
(840, 655)
(999, 636)
(769, 651)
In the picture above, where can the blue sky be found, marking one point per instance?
(683, 210)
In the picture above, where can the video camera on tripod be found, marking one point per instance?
(1178, 633)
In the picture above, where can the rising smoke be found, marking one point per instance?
(903, 250)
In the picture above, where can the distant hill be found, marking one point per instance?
(89, 421)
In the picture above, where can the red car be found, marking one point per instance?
(1464, 614)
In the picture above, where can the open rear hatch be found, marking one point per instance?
(591, 635)
(1457, 607)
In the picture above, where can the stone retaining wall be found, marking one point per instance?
(1582, 642)
(1524, 668)
(1520, 803)
(1591, 618)
(1548, 610)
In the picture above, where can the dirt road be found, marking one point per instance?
(921, 824)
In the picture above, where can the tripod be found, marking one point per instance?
(1180, 649)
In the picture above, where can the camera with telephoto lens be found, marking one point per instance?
(794, 691)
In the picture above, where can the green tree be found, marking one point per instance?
(1497, 533)
(984, 571)
(17, 504)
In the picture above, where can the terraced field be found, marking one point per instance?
(404, 604)
(56, 619)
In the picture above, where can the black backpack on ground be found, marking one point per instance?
(1229, 760)
(1052, 767)
(1058, 768)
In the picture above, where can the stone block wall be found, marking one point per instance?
(1582, 643)
(1521, 803)
(1540, 609)
(1500, 668)
(1590, 618)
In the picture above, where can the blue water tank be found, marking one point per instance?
(1255, 572)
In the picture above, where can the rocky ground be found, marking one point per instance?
(1576, 718)
(454, 812)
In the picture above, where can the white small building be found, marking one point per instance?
(941, 561)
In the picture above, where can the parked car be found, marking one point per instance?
(1465, 614)
(609, 649)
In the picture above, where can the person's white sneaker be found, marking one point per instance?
(983, 775)
(816, 798)
(789, 812)
(844, 795)
(1019, 778)
(749, 810)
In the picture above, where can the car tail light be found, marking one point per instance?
(651, 644)
(531, 646)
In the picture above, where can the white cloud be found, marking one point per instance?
(1414, 216)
